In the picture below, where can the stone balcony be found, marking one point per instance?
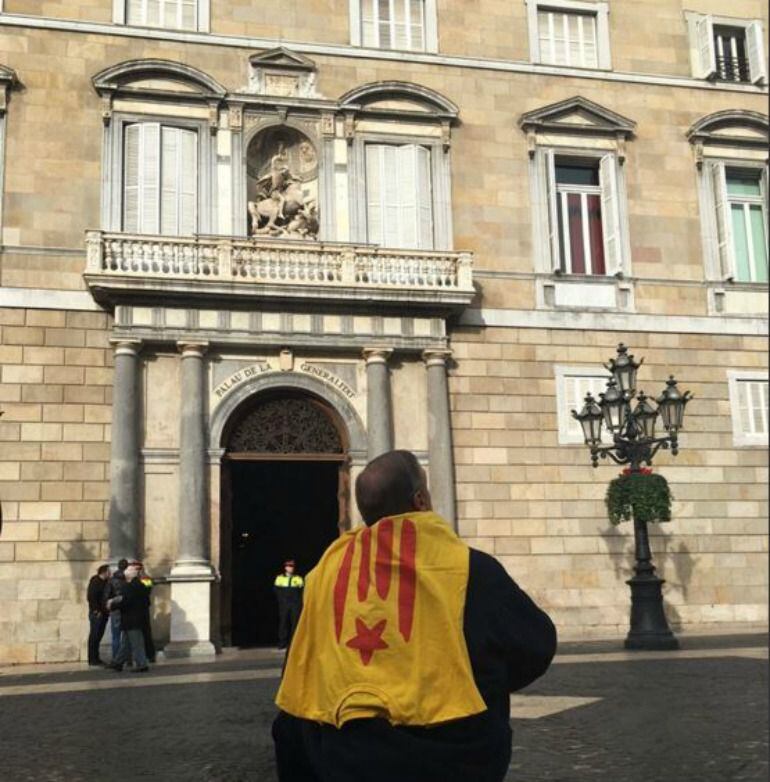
(121, 267)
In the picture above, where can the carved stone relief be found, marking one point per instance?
(282, 168)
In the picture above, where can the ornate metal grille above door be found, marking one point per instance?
(287, 425)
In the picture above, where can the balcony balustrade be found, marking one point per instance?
(119, 264)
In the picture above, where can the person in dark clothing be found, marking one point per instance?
(510, 642)
(132, 603)
(114, 589)
(288, 591)
(149, 643)
(97, 612)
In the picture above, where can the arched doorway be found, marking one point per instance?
(285, 494)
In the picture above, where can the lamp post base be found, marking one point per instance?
(649, 627)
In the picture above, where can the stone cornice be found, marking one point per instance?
(360, 53)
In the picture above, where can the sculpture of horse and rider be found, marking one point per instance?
(281, 208)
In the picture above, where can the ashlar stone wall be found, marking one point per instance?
(55, 392)
(539, 506)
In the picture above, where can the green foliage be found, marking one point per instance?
(645, 497)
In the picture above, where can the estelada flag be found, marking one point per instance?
(381, 631)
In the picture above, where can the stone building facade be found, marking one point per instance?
(245, 248)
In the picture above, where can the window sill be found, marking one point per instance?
(750, 444)
(582, 68)
(585, 293)
(738, 299)
(170, 28)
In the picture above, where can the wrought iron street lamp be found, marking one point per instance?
(634, 443)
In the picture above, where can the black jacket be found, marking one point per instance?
(115, 587)
(133, 603)
(510, 641)
(97, 589)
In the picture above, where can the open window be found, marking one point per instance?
(730, 151)
(727, 49)
(580, 229)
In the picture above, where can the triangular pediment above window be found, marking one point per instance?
(577, 114)
(281, 58)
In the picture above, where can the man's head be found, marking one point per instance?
(131, 572)
(122, 564)
(103, 572)
(288, 566)
(392, 484)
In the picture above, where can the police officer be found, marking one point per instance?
(288, 590)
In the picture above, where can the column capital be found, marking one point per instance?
(126, 347)
(377, 355)
(192, 349)
(435, 357)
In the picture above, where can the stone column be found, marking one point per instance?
(379, 410)
(192, 575)
(442, 481)
(125, 509)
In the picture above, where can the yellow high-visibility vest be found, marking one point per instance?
(296, 582)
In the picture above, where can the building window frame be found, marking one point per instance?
(728, 139)
(703, 47)
(8, 80)
(724, 201)
(569, 431)
(600, 10)
(741, 437)
(612, 190)
(371, 118)
(114, 173)
(430, 26)
(440, 168)
(202, 17)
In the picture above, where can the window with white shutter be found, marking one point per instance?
(399, 196)
(160, 179)
(749, 407)
(393, 24)
(740, 213)
(747, 202)
(571, 33)
(727, 49)
(169, 14)
(584, 218)
(572, 385)
(567, 38)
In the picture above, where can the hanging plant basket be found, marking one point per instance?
(643, 496)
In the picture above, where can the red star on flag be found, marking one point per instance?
(368, 640)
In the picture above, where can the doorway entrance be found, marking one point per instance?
(284, 496)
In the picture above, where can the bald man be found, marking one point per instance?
(407, 650)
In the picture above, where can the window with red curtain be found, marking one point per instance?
(579, 213)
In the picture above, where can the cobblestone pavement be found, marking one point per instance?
(680, 718)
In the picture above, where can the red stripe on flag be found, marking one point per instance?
(364, 569)
(407, 582)
(341, 587)
(383, 564)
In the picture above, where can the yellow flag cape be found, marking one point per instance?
(381, 631)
